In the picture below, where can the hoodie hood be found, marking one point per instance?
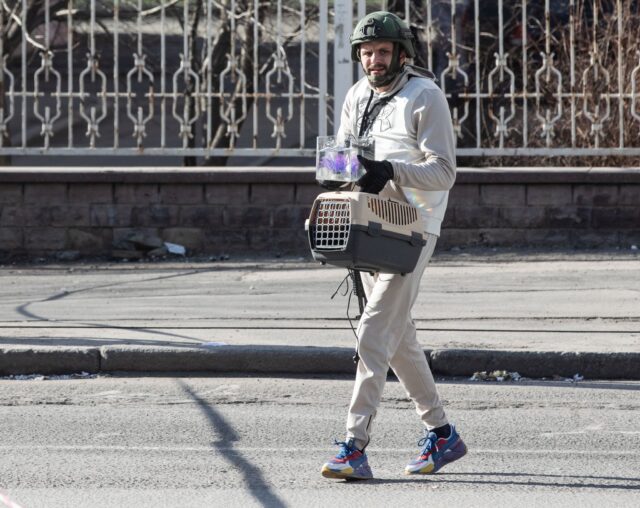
(414, 70)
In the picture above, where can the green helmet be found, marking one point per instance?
(382, 25)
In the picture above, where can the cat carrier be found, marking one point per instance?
(365, 232)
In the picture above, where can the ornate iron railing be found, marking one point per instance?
(245, 78)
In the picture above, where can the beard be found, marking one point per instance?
(380, 78)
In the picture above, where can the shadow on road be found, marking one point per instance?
(528, 479)
(254, 480)
(24, 311)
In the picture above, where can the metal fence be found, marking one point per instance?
(245, 78)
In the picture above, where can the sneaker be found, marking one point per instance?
(436, 453)
(349, 464)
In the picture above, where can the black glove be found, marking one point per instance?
(378, 173)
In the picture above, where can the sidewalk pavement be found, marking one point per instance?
(538, 314)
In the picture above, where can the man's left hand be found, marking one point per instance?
(378, 173)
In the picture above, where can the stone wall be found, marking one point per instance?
(545, 207)
(45, 211)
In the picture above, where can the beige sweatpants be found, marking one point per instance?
(387, 338)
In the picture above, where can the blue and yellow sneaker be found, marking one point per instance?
(436, 453)
(349, 464)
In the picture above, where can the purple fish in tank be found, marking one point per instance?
(340, 165)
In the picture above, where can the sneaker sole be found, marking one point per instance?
(453, 454)
(428, 469)
(337, 475)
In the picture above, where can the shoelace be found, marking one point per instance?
(345, 449)
(428, 441)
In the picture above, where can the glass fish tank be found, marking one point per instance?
(337, 161)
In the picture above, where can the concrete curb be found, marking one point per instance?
(48, 360)
(537, 364)
(250, 359)
(306, 360)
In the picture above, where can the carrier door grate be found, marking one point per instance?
(332, 223)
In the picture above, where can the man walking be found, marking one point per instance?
(405, 113)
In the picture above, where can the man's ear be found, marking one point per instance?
(402, 57)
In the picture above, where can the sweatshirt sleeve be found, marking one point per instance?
(431, 118)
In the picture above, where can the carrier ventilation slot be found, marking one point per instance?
(331, 223)
(393, 212)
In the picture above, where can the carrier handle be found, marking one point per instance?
(375, 228)
(416, 239)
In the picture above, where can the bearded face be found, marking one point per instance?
(380, 61)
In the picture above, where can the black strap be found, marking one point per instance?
(369, 116)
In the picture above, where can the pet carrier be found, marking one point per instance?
(365, 232)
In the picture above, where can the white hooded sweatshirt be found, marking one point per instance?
(414, 132)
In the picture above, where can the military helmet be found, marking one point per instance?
(382, 25)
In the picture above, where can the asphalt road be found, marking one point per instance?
(241, 441)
